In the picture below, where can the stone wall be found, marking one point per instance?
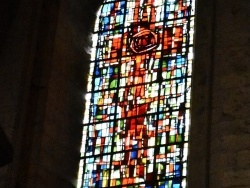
(230, 128)
(43, 68)
(43, 71)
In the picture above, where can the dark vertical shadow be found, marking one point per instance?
(6, 150)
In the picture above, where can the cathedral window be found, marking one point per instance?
(137, 110)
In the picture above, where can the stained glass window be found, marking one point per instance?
(137, 117)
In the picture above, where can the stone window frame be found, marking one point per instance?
(199, 138)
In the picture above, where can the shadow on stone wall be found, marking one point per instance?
(6, 151)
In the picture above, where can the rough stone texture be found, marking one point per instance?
(230, 136)
(44, 66)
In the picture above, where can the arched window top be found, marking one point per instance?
(137, 118)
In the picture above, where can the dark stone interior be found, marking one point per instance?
(44, 66)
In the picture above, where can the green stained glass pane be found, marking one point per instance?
(179, 138)
(113, 84)
(171, 138)
(118, 182)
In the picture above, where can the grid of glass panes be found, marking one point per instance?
(136, 121)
